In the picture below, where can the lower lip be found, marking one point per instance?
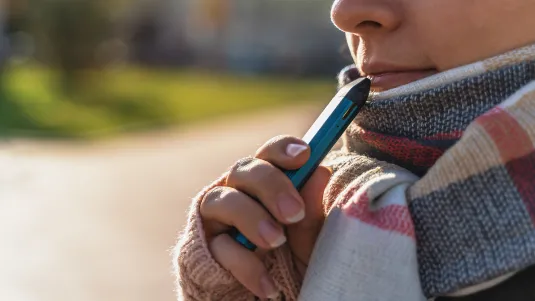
(386, 81)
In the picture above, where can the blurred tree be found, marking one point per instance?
(68, 33)
(3, 46)
(2, 54)
(144, 38)
(11, 20)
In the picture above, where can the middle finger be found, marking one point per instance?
(267, 183)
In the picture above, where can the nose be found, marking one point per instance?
(363, 17)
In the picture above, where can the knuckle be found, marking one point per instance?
(211, 198)
(221, 204)
(214, 194)
(243, 163)
(250, 170)
(238, 169)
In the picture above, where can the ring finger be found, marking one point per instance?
(231, 207)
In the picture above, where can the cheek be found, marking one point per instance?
(442, 29)
(459, 32)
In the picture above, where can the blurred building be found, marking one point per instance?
(244, 36)
(250, 36)
(266, 35)
(153, 30)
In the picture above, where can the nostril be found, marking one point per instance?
(369, 24)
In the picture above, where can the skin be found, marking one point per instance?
(434, 35)
(394, 42)
(232, 205)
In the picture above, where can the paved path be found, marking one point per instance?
(95, 222)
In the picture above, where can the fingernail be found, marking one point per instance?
(271, 234)
(269, 287)
(291, 209)
(293, 150)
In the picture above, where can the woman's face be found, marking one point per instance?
(395, 42)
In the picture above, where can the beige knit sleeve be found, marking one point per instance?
(201, 278)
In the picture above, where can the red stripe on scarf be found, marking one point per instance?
(401, 148)
(516, 150)
(395, 218)
(521, 171)
(508, 135)
(446, 136)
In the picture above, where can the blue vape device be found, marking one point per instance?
(323, 135)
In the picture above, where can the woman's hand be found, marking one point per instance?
(282, 206)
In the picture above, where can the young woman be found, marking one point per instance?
(433, 193)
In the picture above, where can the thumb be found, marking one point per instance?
(302, 235)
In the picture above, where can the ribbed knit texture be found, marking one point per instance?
(470, 134)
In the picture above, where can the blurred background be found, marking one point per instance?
(114, 113)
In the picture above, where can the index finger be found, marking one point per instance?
(285, 152)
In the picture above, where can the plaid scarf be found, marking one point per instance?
(434, 189)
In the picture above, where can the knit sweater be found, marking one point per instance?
(433, 194)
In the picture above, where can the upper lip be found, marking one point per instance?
(376, 69)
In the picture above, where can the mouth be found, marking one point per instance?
(393, 77)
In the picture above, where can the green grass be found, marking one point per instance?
(111, 102)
